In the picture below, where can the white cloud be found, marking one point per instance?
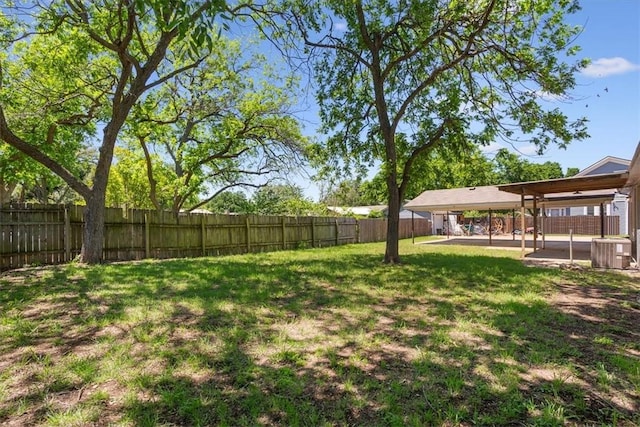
(604, 67)
(492, 148)
(341, 26)
(528, 150)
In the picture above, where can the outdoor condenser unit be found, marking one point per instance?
(611, 253)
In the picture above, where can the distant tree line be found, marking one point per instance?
(444, 168)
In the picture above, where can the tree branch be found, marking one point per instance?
(30, 150)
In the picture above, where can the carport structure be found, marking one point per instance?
(565, 192)
(574, 191)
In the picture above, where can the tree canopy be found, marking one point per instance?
(93, 62)
(396, 79)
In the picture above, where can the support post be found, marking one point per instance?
(147, 236)
(313, 232)
(544, 218)
(513, 224)
(67, 236)
(413, 234)
(571, 245)
(337, 232)
(448, 225)
(602, 220)
(522, 225)
(490, 223)
(535, 223)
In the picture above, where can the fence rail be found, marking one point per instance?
(52, 234)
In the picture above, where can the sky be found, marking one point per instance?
(607, 93)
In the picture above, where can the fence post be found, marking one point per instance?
(203, 234)
(571, 246)
(67, 235)
(248, 236)
(337, 233)
(413, 231)
(313, 232)
(357, 231)
(147, 235)
(284, 234)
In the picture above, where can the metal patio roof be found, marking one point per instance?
(574, 184)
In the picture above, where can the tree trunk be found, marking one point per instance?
(392, 254)
(93, 243)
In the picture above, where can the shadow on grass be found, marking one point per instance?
(314, 337)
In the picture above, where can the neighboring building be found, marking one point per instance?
(618, 207)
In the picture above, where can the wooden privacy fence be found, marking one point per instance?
(52, 234)
(583, 224)
(375, 230)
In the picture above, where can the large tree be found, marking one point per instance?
(437, 71)
(113, 53)
(223, 124)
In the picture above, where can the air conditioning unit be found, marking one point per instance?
(611, 253)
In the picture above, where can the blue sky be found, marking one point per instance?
(607, 94)
(608, 91)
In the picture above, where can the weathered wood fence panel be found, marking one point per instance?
(375, 230)
(583, 224)
(588, 225)
(52, 234)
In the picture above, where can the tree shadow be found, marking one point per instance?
(265, 340)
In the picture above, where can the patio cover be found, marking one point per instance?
(492, 198)
(572, 189)
(461, 199)
(577, 184)
(564, 192)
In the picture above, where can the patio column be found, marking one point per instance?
(513, 224)
(490, 222)
(535, 223)
(544, 215)
(448, 225)
(522, 224)
(413, 234)
(602, 220)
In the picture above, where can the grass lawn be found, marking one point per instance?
(455, 336)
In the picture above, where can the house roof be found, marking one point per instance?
(467, 198)
(602, 162)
